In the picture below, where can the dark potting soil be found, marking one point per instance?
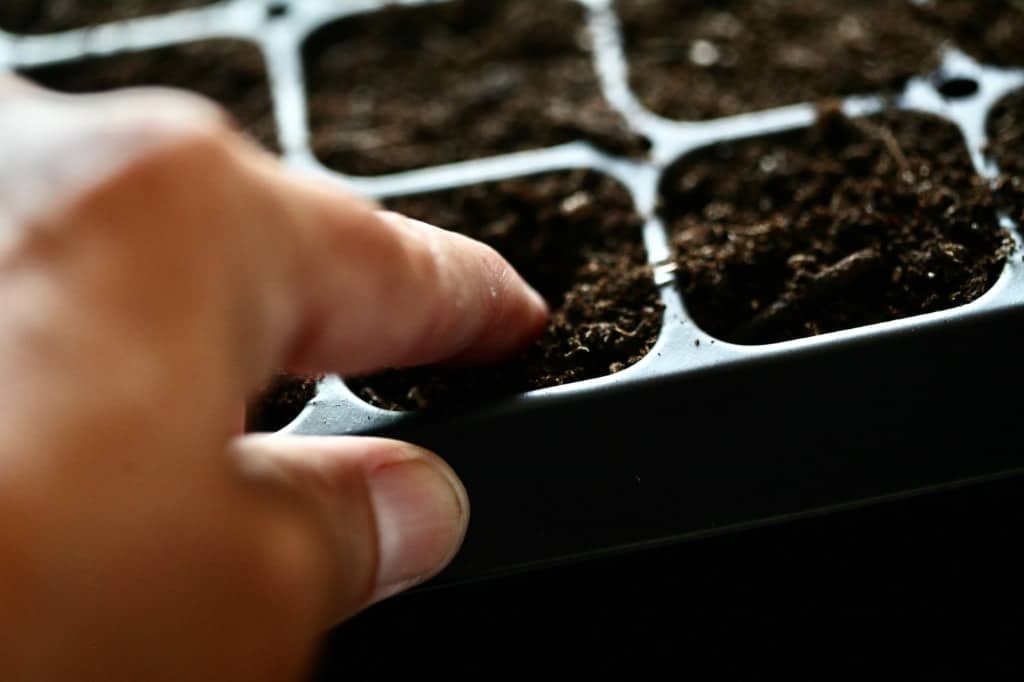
(990, 31)
(47, 16)
(411, 87)
(280, 402)
(231, 72)
(576, 237)
(1005, 128)
(847, 223)
(697, 60)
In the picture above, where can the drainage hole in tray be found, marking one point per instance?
(958, 88)
(277, 10)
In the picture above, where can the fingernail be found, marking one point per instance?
(421, 510)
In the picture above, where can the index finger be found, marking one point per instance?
(376, 289)
(293, 272)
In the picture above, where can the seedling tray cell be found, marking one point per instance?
(32, 16)
(696, 429)
(409, 87)
(230, 72)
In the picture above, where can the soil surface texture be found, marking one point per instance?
(700, 60)
(411, 87)
(48, 16)
(847, 223)
(230, 72)
(988, 30)
(1005, 129)
(576, 238)
(280, 402)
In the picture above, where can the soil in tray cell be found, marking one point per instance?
(280, 402)
(410, 87)
(991, 31)
(695, 60)
(1005, 127)
(48, 16)
(576, 238)
(231, 72)
(846, 223)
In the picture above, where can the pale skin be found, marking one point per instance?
(155, 269)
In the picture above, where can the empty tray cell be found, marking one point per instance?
(231, 72)
(847, 223)
(695, 60)
(1006, 147)
(417, 86)
(989, 31)
(47, 16)
(576, 237)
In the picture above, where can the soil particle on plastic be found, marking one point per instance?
(48, 16)
(576, 237)
(409, 87)
(849, 222)
(697, 61)
(280, 402)
(231, 72)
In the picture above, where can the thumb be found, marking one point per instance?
(390, 515)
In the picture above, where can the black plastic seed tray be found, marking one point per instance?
(701, 435)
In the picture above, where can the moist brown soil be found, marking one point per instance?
(988, 30)
(230, 72)
(577, 239)
(703, 60)
(280, 402)
(47, 16)
(847, 223)
(1005, 127)
(411, 87)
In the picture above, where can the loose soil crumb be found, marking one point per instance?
(702, 60)
(577, 239)
(411, 87)
(231, 72)
(850, 222)
(280, 402)
(47, 16)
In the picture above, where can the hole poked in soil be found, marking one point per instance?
(48, 16)
(696, 61)
(847, 223)
(280, 402)
(576, 237)
(1005, 128)
(231, 72)
(409, 87)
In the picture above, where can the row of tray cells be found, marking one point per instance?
(849, 222)
(410, 87)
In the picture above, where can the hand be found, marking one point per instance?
(155, 269)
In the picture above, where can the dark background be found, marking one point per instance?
(929, 587)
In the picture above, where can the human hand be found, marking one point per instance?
(155, 269)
